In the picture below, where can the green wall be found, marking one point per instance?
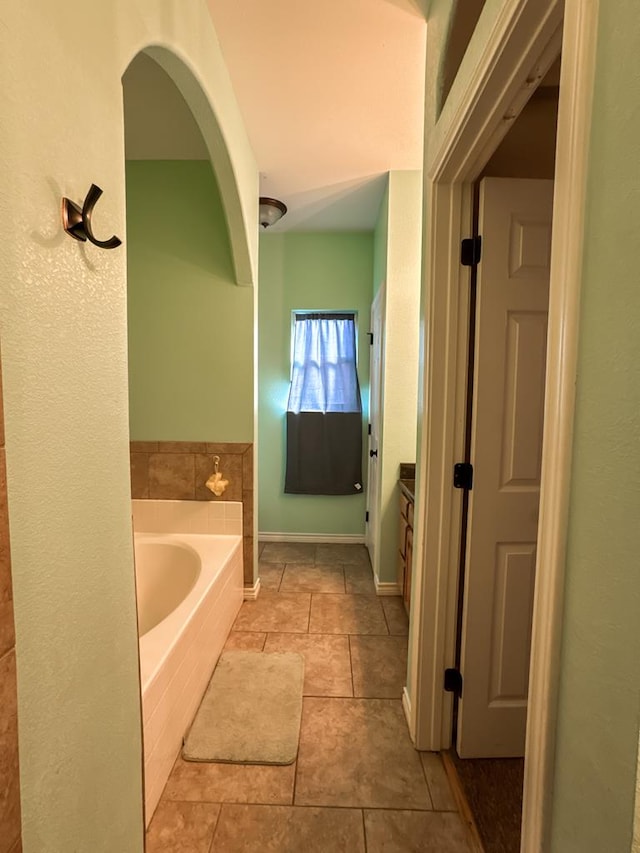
(190, 325)
(598, 714)
(380, 242)
(397, 258)
(299, 271)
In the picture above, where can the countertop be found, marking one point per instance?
(408, 487)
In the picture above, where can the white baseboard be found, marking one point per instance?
(320, 538)
(386, 588)
(406, 707)
(252, 592)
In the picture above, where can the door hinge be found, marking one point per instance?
(471, 251)
(453, 681)
(366, 515)
(370, 336)
(368, 429)
(463, 475)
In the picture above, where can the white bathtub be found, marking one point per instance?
(190, 587)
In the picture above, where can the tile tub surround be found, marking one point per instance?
(178, 470)
(218, 519)
(10, 829)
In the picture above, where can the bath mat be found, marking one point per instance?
(251, 711)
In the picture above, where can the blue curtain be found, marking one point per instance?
(324, 377)
(324, 412)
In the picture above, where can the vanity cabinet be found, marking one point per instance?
(405, 547)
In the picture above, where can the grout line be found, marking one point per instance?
(386, 621)
(222, 803)
(426, 780)
(215, 828)
(353, 688)
(364, 831)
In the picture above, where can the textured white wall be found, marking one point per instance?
(64, 349)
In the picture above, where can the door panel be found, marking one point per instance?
(506, 453)
(375, 379)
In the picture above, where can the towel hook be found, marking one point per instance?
(216, 462)
(77, 222)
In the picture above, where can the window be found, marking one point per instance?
(324, 376)
(324, 412)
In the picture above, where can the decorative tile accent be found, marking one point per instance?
(171, 476)
(178, 470)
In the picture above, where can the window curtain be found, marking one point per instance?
(324, 411)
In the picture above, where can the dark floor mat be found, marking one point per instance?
(493, 788)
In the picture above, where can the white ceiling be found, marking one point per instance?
(332, 95)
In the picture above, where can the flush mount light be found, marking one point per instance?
(271, 210)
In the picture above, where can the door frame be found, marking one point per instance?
(526, 38)
(372, 530)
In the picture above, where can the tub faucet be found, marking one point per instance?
(216, 483)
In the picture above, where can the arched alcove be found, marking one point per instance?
(200, 106)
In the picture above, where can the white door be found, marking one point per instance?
(506, 448)
(375, 377)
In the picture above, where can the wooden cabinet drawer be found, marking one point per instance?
(406, 591)
(405, 504)
(410, 514)
(402, 541)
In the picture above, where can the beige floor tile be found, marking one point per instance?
(396, 615)
(245, 641)
(359, 579)
(357, 753)
(270, 576)
(348, 554)
(379, 666)
(438, 782)
(415, 832)
(260, 548)
(347, 614)
(327, 665)
(317, 578)
(275, 611)
(278, 829)
(182, 828)
(230, 783)
(289, 552)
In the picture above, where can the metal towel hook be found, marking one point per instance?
(77, 222)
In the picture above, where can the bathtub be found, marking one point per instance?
(190, 588)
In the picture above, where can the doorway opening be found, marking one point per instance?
(508, 308)
(499, 86)
(182, 277)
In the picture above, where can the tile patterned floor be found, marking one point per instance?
(358, 785)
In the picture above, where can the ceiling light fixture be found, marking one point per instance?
(271, 210)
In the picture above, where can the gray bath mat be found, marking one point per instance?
(251, 711)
